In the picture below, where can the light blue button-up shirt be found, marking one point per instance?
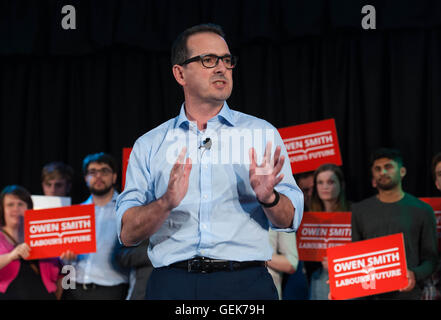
(220, 216)
(100, 267)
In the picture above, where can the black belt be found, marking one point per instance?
(207, 265)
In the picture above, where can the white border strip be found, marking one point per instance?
(308, 136)
(59, 234)
(365, 255)
(366, 271)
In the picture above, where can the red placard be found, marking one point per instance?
(125, 161)
(50, 232)
(320, 231)
(367, 267)
(435, 203)
(311, 145)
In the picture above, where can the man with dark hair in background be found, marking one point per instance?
(98, 276)
(394, 211)
(56, 179)
(305, 181)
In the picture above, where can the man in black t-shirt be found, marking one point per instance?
(394, 211)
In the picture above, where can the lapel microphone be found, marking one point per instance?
(206, 144)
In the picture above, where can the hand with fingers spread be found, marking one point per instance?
(264, 177)
(179, 179)
(139, 223)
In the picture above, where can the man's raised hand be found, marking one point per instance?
(264, 177)
(179, 179)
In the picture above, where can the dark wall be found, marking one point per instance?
(67, 93)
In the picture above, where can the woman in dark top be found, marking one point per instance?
(328, 195)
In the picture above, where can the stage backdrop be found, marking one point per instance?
(67, 93)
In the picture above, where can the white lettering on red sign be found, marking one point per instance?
(368, 265)
(60, 231)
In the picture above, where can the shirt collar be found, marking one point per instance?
(225, 113)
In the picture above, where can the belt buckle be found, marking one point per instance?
(206, 266)
(199, 265)
(193, 265)
(87, 286)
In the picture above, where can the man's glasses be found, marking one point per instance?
(211, 60)
(103, 172)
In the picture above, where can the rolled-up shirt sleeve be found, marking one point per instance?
(138, 190)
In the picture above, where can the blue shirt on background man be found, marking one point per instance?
(99, 267)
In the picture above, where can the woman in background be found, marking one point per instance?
(22, 279)
(328, 195)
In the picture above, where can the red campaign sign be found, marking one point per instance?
(125, 161)
(320, 231)
(435, 203)
(311, 145)
(50, 232)
(367, 267)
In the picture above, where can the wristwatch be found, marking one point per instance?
(272, 204)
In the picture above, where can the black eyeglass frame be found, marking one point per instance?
(202, 56)
(103, 171)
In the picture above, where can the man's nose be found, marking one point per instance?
(51, 190)
(220, 67)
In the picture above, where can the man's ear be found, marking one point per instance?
(403, 172)
(178, 72)
(374, 183)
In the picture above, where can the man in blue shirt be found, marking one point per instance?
(195, 187)
(97, 275)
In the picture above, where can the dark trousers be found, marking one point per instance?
(178, 284)
(96, 292)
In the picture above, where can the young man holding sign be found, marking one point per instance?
(393, 211)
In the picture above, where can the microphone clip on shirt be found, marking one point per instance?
(206, 144)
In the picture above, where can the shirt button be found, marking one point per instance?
(206, 166)
(205, 197)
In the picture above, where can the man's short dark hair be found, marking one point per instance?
(435, 160)
(179, 52)
(55, 170)
(388, 153)
(100, 157)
